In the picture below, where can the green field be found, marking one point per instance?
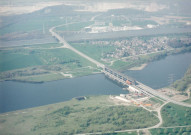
(11, 60)
(95, 114)
(56, 75)
(22, 58)
(43, 62)
(43, 46)
(174, 115)
(31, 24)
(94, 51)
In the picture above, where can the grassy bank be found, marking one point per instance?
(95, 114)
(184, 83)
(47, 62)
(130, 62)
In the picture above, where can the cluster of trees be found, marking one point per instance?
(184, 83)
(66, 110)
(19, 73)
(176, 131)
(141, 59)
(178, 43)
(174, 115)
(149, 58)
(39, 126)
(97, 119)
(70, 61)
(54, 119)
(118, 118)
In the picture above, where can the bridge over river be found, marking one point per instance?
(117, 76)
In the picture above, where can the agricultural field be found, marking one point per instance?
(43, 62)
(95, 114)
(34, 23)
(97, 52)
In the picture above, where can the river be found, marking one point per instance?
(162, 73)
(18, 95)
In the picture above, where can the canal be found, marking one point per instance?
(158, 74)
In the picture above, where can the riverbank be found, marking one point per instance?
(184, 84)
(19, 95)
(91, 115)
(164, 72)
(173, 93)
(139, 67)
(136, 61)
(75, 68)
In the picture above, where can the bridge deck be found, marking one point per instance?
(117, 75)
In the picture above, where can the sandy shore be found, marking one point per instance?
(139, 68)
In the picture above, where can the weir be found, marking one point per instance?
(119, 77)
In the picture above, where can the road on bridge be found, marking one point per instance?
(162, 96)
(141, 86)
(66, 45)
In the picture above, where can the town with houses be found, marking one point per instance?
(140, 46)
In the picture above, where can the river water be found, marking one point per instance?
(18, 95)
(163, 72)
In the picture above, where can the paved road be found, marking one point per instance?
(66, 45)
(155, 93)
(146, 89)
(132, 130)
